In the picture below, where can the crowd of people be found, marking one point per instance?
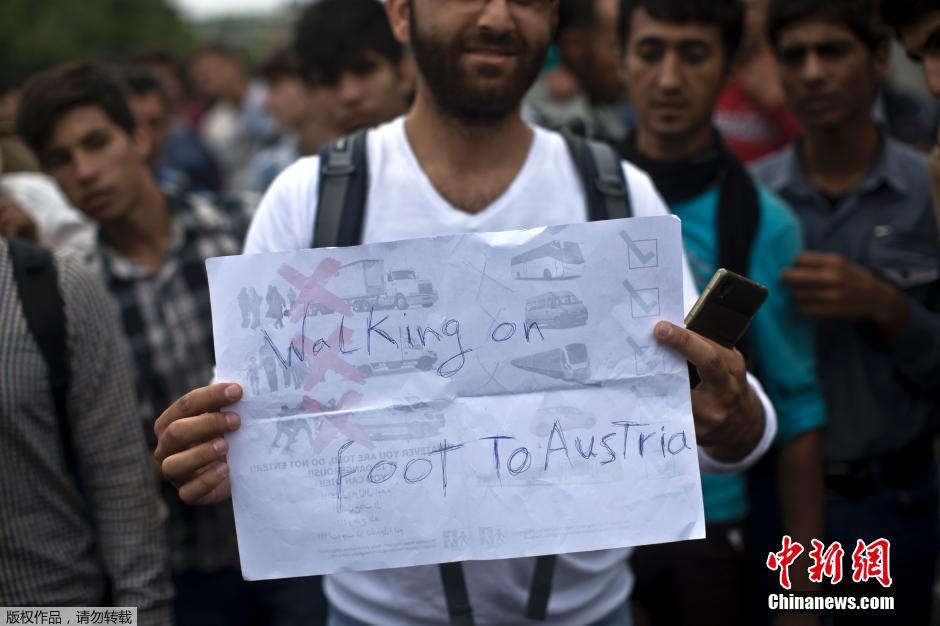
(772, 128)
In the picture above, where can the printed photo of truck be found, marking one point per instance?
(555, 260)
(556, 309)
(365, 285)
(569, 364)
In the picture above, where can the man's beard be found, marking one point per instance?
(475, 98)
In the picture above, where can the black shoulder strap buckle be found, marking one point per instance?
(611, 187)
(456, 595)
(340, 158)
(602, 178)
(343, 192)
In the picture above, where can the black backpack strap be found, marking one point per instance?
(541, 587)
(343, 191)
(456, 595)
(37, 283)
(601, 173)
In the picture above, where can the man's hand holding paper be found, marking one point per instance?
(475, 396)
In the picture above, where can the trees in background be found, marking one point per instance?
(36, 34)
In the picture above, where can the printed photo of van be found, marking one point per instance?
(410, 359)
(556, 309)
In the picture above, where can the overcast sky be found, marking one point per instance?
(212, 8)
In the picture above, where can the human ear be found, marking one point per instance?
(399, 18)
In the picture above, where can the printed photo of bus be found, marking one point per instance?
(570, 364)
(556, 260)
(556, 309)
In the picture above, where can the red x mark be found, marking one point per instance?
(327, 359)
(313, 288)
(334, 426)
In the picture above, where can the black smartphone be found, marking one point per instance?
(725, 309)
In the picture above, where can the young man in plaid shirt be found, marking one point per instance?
(151, 252)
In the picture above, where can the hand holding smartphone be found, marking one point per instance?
(724, 311)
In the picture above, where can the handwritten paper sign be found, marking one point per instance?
(478, 396)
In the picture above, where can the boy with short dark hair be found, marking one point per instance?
(151, 252)
(590, 48)
(348, 46)
(305, 113)
(679, 54)
(870, 282)
(344, 72)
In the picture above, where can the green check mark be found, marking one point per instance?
(645, 306)
(640, 351)
(644, 258)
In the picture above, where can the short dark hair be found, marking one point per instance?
(727, 15)
(899, 13)
(140, 81)
(51, 94)
(575, 14)
(331, 34)
(282, 63)
(162, 58)
(859, 16)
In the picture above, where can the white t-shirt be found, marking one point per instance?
(403, 204)
(61, 227)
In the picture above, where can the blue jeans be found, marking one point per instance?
(620, 617)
